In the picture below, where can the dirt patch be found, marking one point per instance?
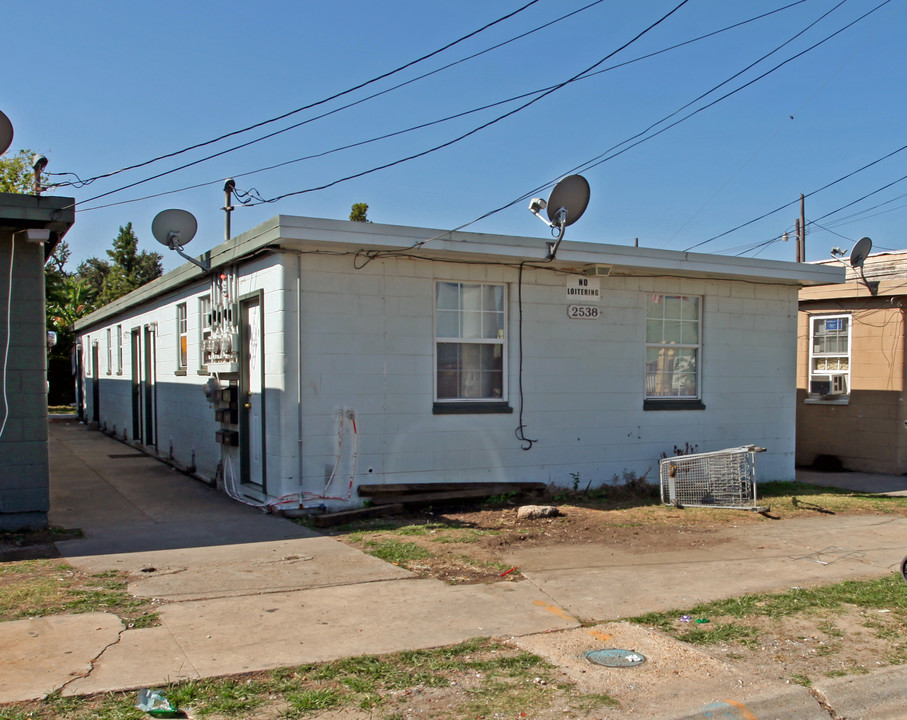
(469, 545)
(34, 544)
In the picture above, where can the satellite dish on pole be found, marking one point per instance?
(6, 133)
(565, 205)
(570, 195)
(175, 229)
(858, 257)
(860, 252)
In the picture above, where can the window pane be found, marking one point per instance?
(471, 297)
(472, 324)
(447, 296)
(672, 332)
(654, 306)
(673, 307)
(494, 298)
(690, 310)
(689, 333)
(654, 331)
(448, 324)
(494, 325)
(671, 372)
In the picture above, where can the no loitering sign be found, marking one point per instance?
(584, 289)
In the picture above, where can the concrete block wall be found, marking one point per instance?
(186, 424)
(24, 471)
(367, 345)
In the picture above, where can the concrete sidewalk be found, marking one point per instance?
(247, 591)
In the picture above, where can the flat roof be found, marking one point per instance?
(292, 233)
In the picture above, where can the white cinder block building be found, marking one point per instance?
(317, 355)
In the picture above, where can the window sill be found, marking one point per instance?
(659, 404)
(470, 408)
(203, 371)
(181, 372)
(827, 400)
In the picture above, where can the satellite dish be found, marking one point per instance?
(6, 133)
(860, 252)
(174, 228)
(571, 194)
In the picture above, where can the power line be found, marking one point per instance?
(806, 195)
(434, 122)
(490, 122)
(605, 157)
(318, 102)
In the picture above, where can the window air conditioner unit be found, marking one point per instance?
(820, 385)
(838, 385)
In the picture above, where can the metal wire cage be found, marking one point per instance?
(720, 479)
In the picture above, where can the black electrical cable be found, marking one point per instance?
(806, 195)
(520, 432)
(323, 100)
(430, 123)
(490, 122)
(605, 157)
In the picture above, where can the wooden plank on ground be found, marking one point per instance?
(437, 498)
(347, 516)
(414, 488)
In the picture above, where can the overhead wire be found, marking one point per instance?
(485, 125)
(317, 103)
(641, 137)
(433, 122)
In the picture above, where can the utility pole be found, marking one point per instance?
(801, 235)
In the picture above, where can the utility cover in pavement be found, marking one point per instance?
(614, 657)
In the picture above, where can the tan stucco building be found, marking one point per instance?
(850, 369)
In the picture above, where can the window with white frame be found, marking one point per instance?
(119, 349)
(204, 324)
(182, 332)
(673, 346)
(109, 352)
(469, 342)
(829, 355)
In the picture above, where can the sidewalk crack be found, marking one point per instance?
(820, 698)
(91, 663)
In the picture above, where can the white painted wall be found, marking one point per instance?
(348, 348)
(367, 339)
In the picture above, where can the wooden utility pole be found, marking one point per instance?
(797, 238)
(801, 236)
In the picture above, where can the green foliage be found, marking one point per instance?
(359, 212)
(128, 268)
(396, 551)
(16, 174)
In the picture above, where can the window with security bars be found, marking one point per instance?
(829, 355)
(469, 341)
(673, 346)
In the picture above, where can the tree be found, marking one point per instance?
(16, 174)
(359, 212)
(127, 270)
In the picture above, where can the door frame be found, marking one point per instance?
(149, 356)
(245, 429)
(138, 410)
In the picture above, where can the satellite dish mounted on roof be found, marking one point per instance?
(6, 133)
(858, 257)
(175, 229)
(565, 205)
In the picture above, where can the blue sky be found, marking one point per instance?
(99, 86)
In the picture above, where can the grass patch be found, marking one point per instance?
(394, 551)
(488, 677)
(37, 588)
(885, 593)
